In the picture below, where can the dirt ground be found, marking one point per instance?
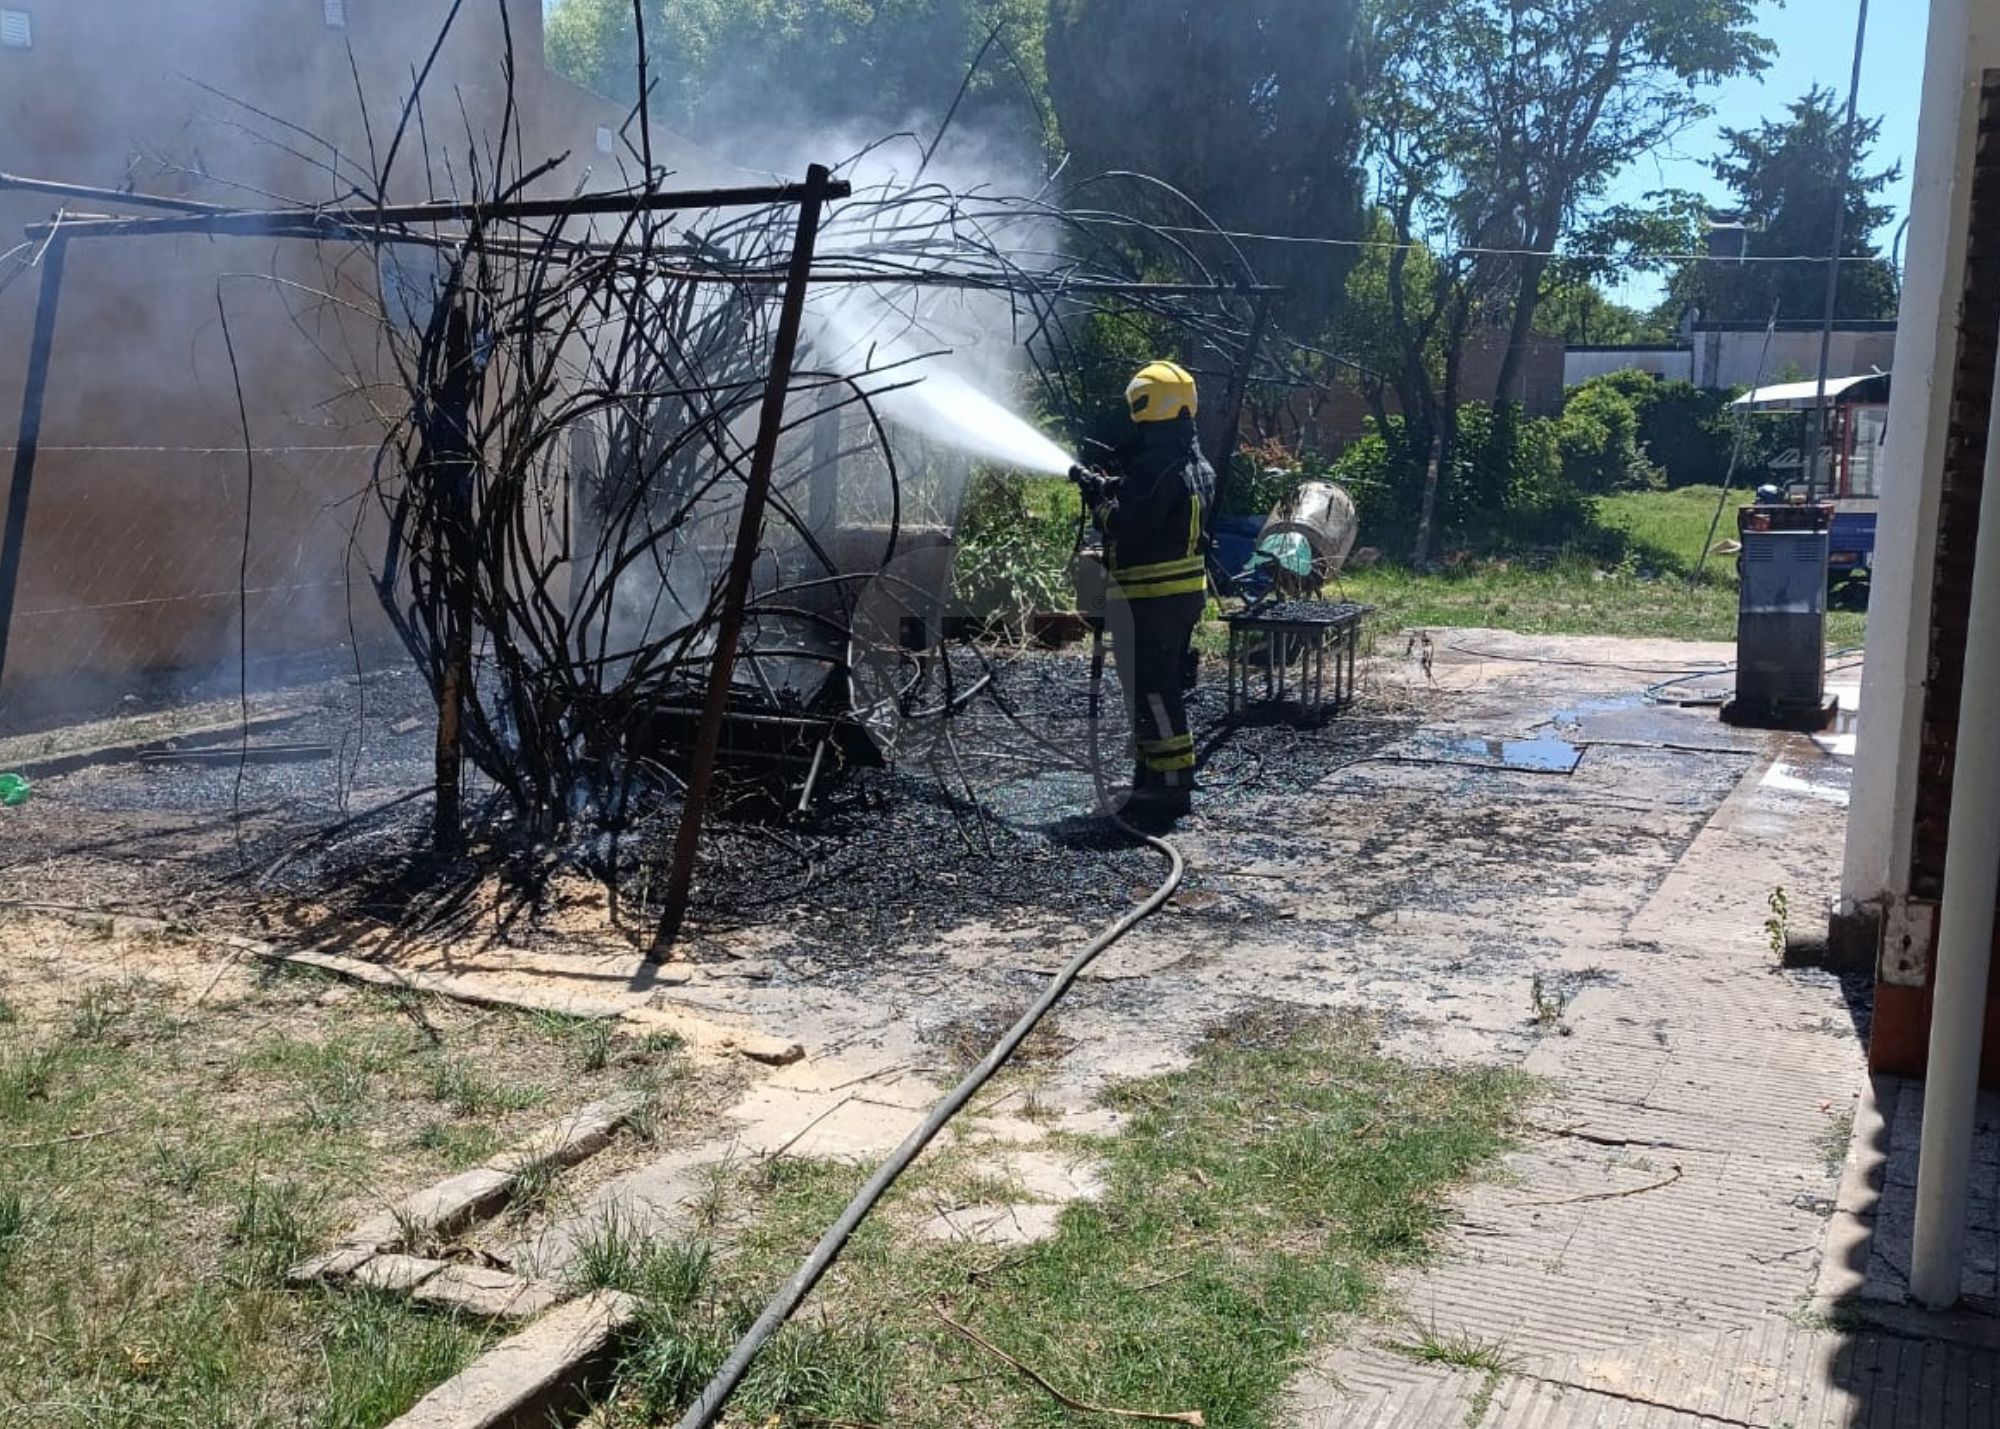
(1460, 857)
(1454, 854)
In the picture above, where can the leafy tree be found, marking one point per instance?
(1788, 177)
(1494, 127)
(1582, 314)
(1599, 435)
(1508, 487)
(745, 69)
(1247, 107)
(1539, 104)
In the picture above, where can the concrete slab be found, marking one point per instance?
(1666, 1218)
(452, 1204)
(1004, 1130)
(337, 1264)
(1048, 1175)
(395, 1274)
(581, 1134)
(993, 1225)
(535, 1375)
(486, 1293)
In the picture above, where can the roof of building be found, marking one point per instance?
(1758, 325)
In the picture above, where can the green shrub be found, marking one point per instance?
(1599, 436)
(1508, 487)
(1016, 543)
(1262, 476)
(1385, 490)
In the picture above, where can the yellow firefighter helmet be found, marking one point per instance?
(1161, 392)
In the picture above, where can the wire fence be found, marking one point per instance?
(144, 560)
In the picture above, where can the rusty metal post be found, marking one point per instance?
(28, 444)
(448, 454)
(749, 535)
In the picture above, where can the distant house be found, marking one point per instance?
(135, 532)
(1727, 355)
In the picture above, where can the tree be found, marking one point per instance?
(1544, 102)
(754, 71)
(1788, 178)
(1582, 314)
(1247, 107)
(1493, 128)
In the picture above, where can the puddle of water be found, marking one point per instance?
(1573, 717)
(1544, 754)
(1810, 781)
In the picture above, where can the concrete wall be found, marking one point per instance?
(136, 528)
(1726, 358)
(1674, 364)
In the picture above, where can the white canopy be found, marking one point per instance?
(1800, 396)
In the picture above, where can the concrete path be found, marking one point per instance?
(1654, 1259)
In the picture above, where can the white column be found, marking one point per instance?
(1964, 41)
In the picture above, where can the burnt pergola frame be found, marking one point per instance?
(383, 225)
(377, 226)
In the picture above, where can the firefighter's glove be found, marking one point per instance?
(1098, 487)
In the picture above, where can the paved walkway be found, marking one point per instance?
(1659, 1257)
(1677, 1226)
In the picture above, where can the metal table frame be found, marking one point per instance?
(1298, 642)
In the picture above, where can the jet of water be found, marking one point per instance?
(949, 401)
(948, 407)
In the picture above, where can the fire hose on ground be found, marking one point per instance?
(793, 1293)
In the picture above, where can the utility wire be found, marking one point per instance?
(1413, 245)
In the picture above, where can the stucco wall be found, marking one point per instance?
(135, 531)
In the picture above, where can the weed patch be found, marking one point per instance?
(1252, 1204)
(162, 1166)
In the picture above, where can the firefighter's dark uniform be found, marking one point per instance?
(1156, 530)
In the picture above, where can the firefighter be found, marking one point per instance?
(1154, 510)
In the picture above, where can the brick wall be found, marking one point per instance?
(1902, 1015)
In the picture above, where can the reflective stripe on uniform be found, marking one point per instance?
(1165, 756)
(1187, 576)
(1189, 585)
(1178, 567)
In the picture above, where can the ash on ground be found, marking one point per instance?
(985, 816)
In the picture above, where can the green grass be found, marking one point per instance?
(162, 1166)
(1455, 1349)
(1254, 1203)
(1631, 580)
(1833, 1143)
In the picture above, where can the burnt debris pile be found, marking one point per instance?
(670, 480)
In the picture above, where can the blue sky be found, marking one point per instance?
(1815, 40)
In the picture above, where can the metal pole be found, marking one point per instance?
(1965, 921)
(1817, 430)
(749, 534)
(28, 444)
(255, 222)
